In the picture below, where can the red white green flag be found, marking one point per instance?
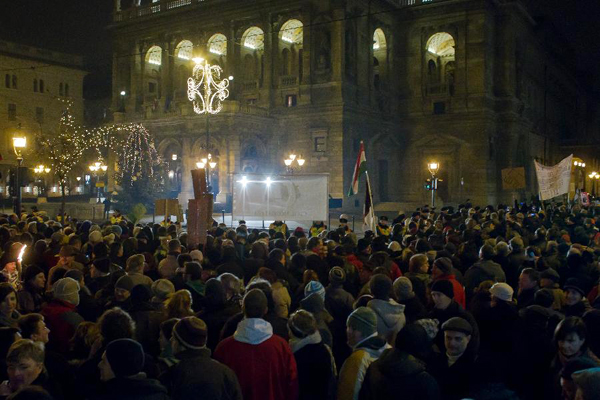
(359, 169)
(368, 210)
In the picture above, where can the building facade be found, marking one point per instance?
(471, 84)
(33, 81)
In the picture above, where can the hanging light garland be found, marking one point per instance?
(204, 88)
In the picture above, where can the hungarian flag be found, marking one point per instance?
(359, 168)
(368, 210)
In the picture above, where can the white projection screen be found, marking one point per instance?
(281, 197)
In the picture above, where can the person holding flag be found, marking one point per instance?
(359, 168)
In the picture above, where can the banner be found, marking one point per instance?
(554, 181)
(286, 198)
(513, 178)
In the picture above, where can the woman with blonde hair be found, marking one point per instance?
(179, 304)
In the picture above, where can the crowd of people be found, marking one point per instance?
(474, 302)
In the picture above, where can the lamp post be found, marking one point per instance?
(42, 170)
(289, 162)
(433, 168)
(19, 144)
(207, 91)
(98, 168)
(579, 173)
(594, 176)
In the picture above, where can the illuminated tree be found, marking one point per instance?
(139, 170)
(63, 148)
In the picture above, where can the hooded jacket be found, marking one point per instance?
(398, 372)
(355, 367)
(263, 362)
(390, 318)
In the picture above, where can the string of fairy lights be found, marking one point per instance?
(65, 148)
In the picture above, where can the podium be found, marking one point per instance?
(200, 209)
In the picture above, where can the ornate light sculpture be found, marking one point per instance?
(206, 89)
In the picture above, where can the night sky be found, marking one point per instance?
(79, 26)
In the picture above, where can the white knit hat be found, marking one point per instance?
(66, 289)
(502, 291)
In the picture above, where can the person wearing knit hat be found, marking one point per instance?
(195, 368)
(313, 357)
(121, 375)
(443, 270)
(30, 297)
(394, 247)
(162, 289)
(123, 288)
(196, 255)
(95, 237)
(67, 290)
(60, 314)
(502, 291)
(442, 293)
(366, 346)
(575, 302)
(314, 287)
(189, 333)
(337, 275)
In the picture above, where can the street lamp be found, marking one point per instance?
(289, 162)
(433, 168)
(579, 174)
(594, 176)
(42, 170)
(207, 91)
(19, 144)
(98, 168)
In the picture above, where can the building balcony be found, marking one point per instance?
(288, 81)
(440, 89)
(168, 5)
(249, 86)
(149, 9)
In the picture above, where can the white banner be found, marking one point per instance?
(554, 181)
(285, 198)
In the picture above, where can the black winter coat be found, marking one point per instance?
(398, 375)
(134, 388)
(315, 372)
(197, 376)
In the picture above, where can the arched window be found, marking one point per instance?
(66, 90)
(217, 44)
(440, 58)
(14, 81)
(254, 38)
(441, 44)
(42, 86)
(154, 55)
(292, 32)
(379, 42)
(60, 89)
(35, 85)
(286, 61)
(184, 50)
